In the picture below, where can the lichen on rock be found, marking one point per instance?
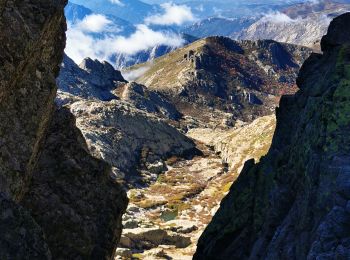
(294, 203)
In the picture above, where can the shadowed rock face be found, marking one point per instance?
(32, 36)
(72, 196)
(295, 204)
(69, 205)
(32, 41)
(21, 236)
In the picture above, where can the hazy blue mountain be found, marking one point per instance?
(215, 26)
(75, 13)
(133, 11)
(121, 60)
(230, 8)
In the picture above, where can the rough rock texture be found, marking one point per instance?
(30, 52)
(185, 198)
(147, 238)
(150, 101)
(302, 24)
(130, 130)
(21, 236)
(294, 204)
(73, 197)
(127, 137)
(91, 79)
(70, 207)
(216, 78)
(28, 67)
(240, 144)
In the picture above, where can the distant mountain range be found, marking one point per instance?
(133, 11)
(302, 24)
(296, 22)
(240, 79)
(204, 9)
(76, 13)
(216, 26)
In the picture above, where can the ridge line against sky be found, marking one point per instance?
(97, 35)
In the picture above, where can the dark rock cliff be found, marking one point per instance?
(32, 36)
(56, 200)
(295, 204)
(72, 196)
(32, 41)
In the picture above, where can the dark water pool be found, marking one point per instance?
(169, 215)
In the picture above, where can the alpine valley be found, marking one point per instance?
(174, 130)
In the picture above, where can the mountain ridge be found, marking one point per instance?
(240, 79)
(294, 203)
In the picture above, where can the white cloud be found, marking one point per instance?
(80, 44)
(144, 38)
(132, 75)
(118, 2)
(200, 8)
(278, 17)
(173, 15)
(95, 23)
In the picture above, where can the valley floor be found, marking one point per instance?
(165, 220)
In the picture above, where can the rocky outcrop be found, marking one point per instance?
(130, 130)
(72, 196)
(21, 236)
(29, 65)
(148, 238)
(56, 200)
(218, 79)
(294, 204)
(128, 138)
(150, 101)
(254, 141)
(91, 80)
(30, 52)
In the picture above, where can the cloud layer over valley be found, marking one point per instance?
(98, 37)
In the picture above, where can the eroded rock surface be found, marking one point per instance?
(131, 130)
(21, 236)
(91, 80)
(29, 65)
(73, 197)
(30, 52)
(217, 79)
(127, 137)
(295, 203)
(70, 207)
